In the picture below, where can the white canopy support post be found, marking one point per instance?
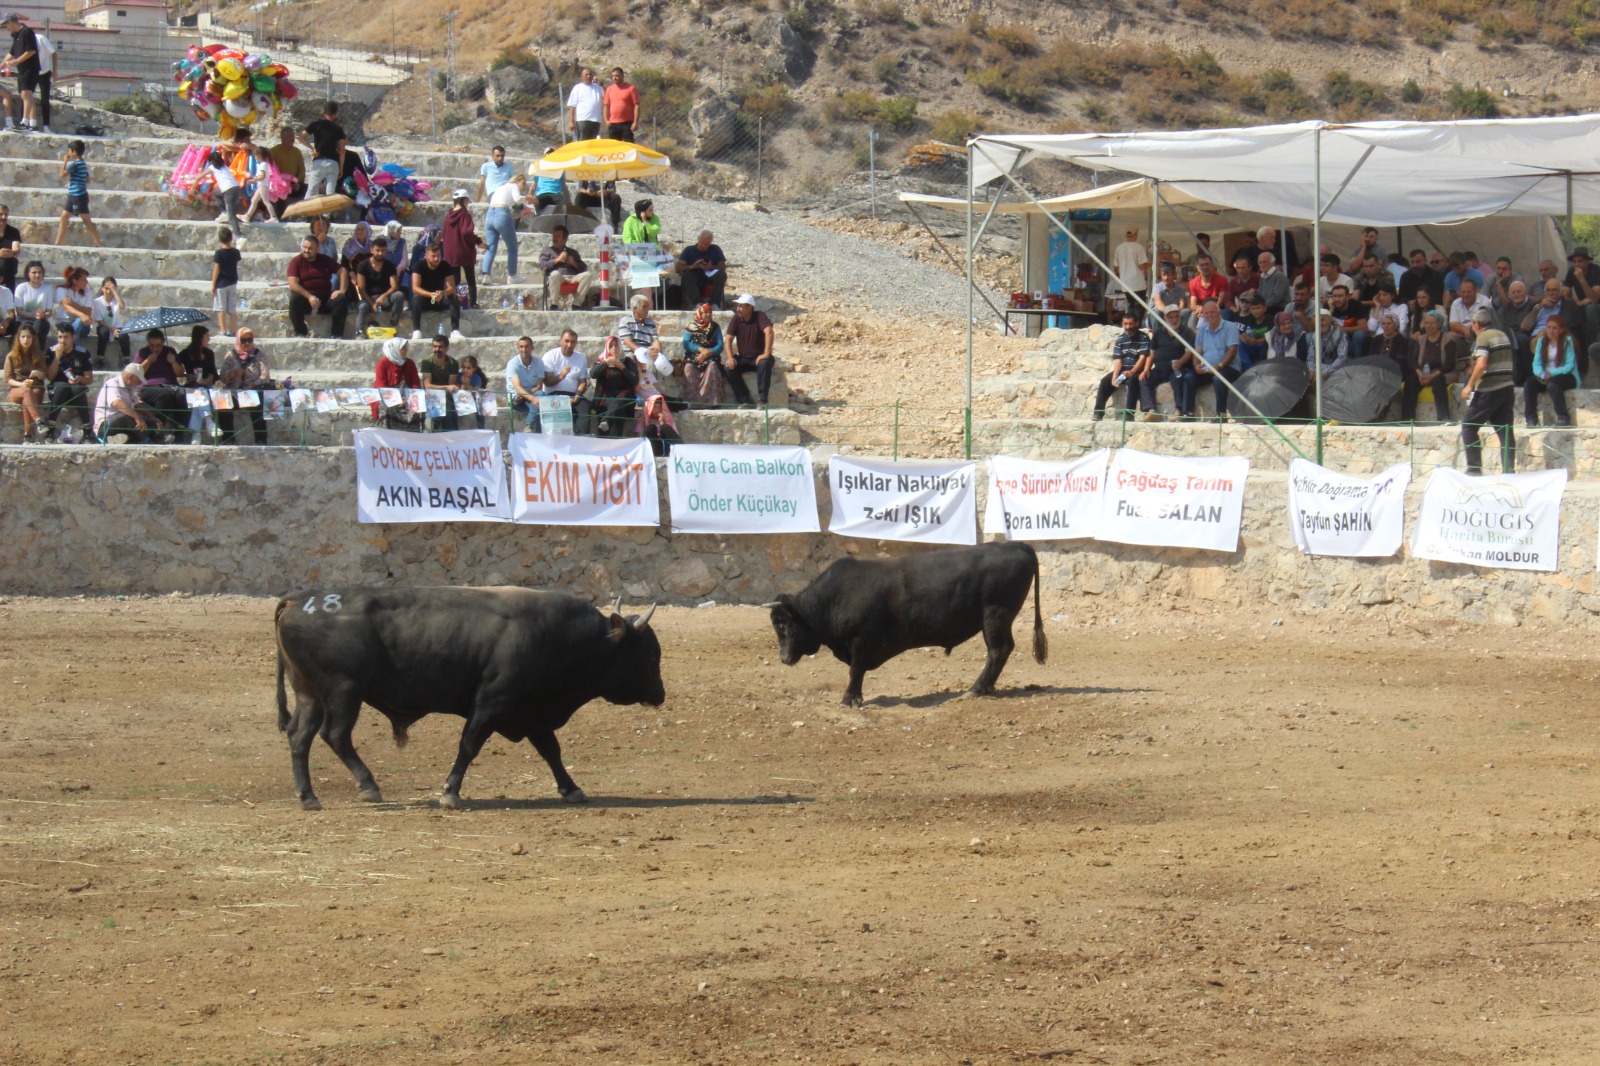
(1571, 234)
(967, 410)
(1323, 209)
(1316, 286)
(1155, 240)
(951, 256)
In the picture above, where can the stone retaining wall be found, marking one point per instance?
(267, 520)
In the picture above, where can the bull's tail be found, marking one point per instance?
(283, 698)
(400, 736)
(1041, 645)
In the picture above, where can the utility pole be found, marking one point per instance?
(450, 49)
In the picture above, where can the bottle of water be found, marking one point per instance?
(505, 303)
(441, 329)
(244, 305)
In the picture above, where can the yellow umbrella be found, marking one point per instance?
(601, 159)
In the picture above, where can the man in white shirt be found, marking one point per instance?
(505, 207)
(1129, 261)
(47, 76)
(583, 107)
(566, 373)
(1461, 308)
(116, 407)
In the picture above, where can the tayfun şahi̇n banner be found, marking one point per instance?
(437, 477)
(928, 502)
(583, 481)
(1511, 521)
(749, 488)
(1173, 503)
(1335, 514)
(1034, 500)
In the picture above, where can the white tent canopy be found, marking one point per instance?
(1369, 173)
(1124, 194)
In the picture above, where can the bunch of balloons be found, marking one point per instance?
(233, 87)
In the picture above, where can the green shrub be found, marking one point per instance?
(899, 114)
(886, 65)
(471, 88)
(453, 118)
(1471, 103)
(851, 107)
(1278, 80)
(1015, 39)
(146, 107)
(1022, 84)
(1342, 90)
(954, 127)
(515, 56)
(665, 94)
(769, 101)
(1411, 92)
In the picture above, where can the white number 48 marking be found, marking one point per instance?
(330, 603)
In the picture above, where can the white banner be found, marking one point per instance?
(434, 477)
(1336, 514)
(1511, 521)
(926, 501)
(1173, 503)
(749, 488)
(1034, 500)
(583, 481)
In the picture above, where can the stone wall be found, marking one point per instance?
(268, 520)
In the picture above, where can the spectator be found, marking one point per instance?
(1335, 347)
(227, 187)
(159, 360)
(548, 193)
(1301, 307)
(749, 348)
(637, 329)
(495, 173)
(10, 248)
(1169, 293)
(594, 195)
(1423, 302)
(1508, 316)
(317, 285)
(1459, 271)
(1368, 248)
(1547, 270)
(1396, 269)
(461, 243)
(703, 268)
(1462, 307)
(395, 370)
(1284, 340)
(291, 163)
(358, 247)
(69, 387)
(506, 206)
(621, 103)
(27, 369)
(272, 187)
(1284, 256)
(616, 377)
(245, 367)
(1331, 276)
(562, 264)
(1499, 287)
(1582, 286)
(1371, 278)
(441, 373)
(377, 286)
(399, 255)
(8, 313)
(1130, 359)
(524, 381)
(651, 366)
(642, 227)
(584, 104)
(1488, 394)
(1129, 260)
(200, 365)
(1383, 303)
(1169, 362)
(656, 424)
(1202, 246)
(1207, 284)
(322, 230)
(1254, 326)
(433, 288)
(702, 350)
(351, 166)
(1554, 304)
(1420, 276)
(74, 305)
(225, 282)
(1351, 318)
(110, 315)
(160, 396)
(327, 140)
(1431, 362)
(566, 373)
(472, 379)
(1217, 341)
(35, 300)
(118, 415)
(1273, 283)
(23, 60)
(1242, 281)
(1387, 340)
(1555, 370)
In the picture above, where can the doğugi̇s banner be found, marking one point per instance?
(1335, 514)
(746, 488)
(1174, 503)
(1030, 499)
(1512, 521)
(583, 481)
(925, 501)
(437, 477)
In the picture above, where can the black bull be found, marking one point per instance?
(512, 661)
(867, 611)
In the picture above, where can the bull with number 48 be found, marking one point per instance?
(867, 611)
(512, 661)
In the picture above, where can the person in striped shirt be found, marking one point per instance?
(76, 173)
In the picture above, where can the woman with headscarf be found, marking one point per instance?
(1284, 340)
(245, 367)
(1431, 361)
(395, 371)
(702, 349)
(357, 248)
(1389, 341)
(400, 255)
(615, 378)
(656, 425)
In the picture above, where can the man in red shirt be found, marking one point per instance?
(1208, 285)
(1245, 279)
(317, 285)
(621, 107)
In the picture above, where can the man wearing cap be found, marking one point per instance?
(749, 348)
(703, 268)
(562, 264)
(1583, 286)
(116, 408)
(22, 59)
(317, 285)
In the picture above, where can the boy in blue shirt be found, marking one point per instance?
(76, 173)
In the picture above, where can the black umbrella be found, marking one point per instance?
(165, 318)
(1274, 386)
(575, 219)
(1360, 390)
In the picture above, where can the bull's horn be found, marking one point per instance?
(774, 603)
(641, 623)
(616, 605)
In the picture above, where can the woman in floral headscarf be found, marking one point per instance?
(1432, 360)
(702, 348)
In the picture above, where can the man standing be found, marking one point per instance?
(1583, 288)
(621, 107)
(22, 59)
(288, 158)
(1130, 359)
(584, 105)
(566, 373)
(749, 348)
(1217, 341)
(702, 266)
(439, 373)
(327, 140)
(1128, 263)
(495, 173)
(10, 248)
(1489, 395)
(562, 264)
(312, 290)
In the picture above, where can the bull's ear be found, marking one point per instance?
(619, 629)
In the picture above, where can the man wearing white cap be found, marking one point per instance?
(749, 348)
(116, 407)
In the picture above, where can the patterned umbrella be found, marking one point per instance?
(165, 318)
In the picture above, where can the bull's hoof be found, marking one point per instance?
(982, 690)
(575, 796)
(310, 803)
(370, 795)
(851, 699)
(450, 801)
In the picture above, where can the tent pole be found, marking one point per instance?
(1316, 283)
(948, 254)
(971, 318)
(1155, 240)
(1569, 234)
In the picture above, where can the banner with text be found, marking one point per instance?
(1511, 521)
(1030, 499)
(1335, 514)
(741, 488)
(926, 501)
(1173, 503)
(437, 477)
(559, 480)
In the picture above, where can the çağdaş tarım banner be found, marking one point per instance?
(741, 488)
(1510, 520)
(1030, 499)
(563, 480)
(434, 477)
(1167, 502)
(925, 501)
(1336, 514)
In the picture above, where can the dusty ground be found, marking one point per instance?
(1189, 837)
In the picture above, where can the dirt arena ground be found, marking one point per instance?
(1190, 837)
